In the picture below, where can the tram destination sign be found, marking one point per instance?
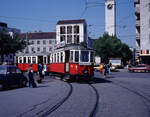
(59, 45)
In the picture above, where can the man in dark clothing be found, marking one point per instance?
(31, 79)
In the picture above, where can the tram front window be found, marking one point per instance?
(84, 56)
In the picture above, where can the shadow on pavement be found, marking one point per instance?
(100, 80)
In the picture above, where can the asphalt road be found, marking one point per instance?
(123, 94)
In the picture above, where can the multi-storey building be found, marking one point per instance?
(10, 31)
(142, 13)
(39, 43)
(71, 31)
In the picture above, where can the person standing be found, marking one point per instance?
(101, 69)
(39, 80)
(31, 78)
(106, 70)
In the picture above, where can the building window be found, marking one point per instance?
(44, 49)
(38, 42)
(50, 41)
(69, 39)
(44, 41)
(69, 29)
(62, 38)
(149, 7)
(62, 30)
(76, 29)
(149, 39)
(38, 49)
(32, 49)
(50, 48)
(32, 42)
(76, 39)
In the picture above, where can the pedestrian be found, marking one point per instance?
(31, 78)
(109, 66)
(39, 80)
(106, 72)
(101, 69)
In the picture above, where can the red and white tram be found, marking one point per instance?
(26, 60)
(74, 60)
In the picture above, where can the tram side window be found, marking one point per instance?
(29, 59)
(45, 60)
(84, 56)
(57, 57)
(24, 60)
(20, 59)
(61, 58)
(76, 56)
(54, 58)
(33, 60)
(71, 56)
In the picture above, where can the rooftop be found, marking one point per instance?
(39, 35)
(78, 21)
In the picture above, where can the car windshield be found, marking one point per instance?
(2, 70)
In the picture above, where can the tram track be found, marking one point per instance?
(93, 112)
(144, 98)
(46, 110)
(56, 106)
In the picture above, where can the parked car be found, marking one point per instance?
(139, 68)
(11, 76)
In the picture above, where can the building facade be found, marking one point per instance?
(142, 14)
(8, 59)
(110, 17)
(39, 43)
(71, 31)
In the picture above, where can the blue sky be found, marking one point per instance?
(31, 15)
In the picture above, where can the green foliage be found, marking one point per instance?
(10, 45)
(111, 47)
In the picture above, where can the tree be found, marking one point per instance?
(9, 45)
(111, 47)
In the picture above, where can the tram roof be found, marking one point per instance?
(72, 47)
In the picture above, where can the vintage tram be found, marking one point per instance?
(25, 61)
(73, 61)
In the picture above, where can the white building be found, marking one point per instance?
(142, 13)
(38, 42)
(110, 17)
(71, 31)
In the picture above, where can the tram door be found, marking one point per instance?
(40, 59)
(67, 54)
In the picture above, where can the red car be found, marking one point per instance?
(139, 68)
